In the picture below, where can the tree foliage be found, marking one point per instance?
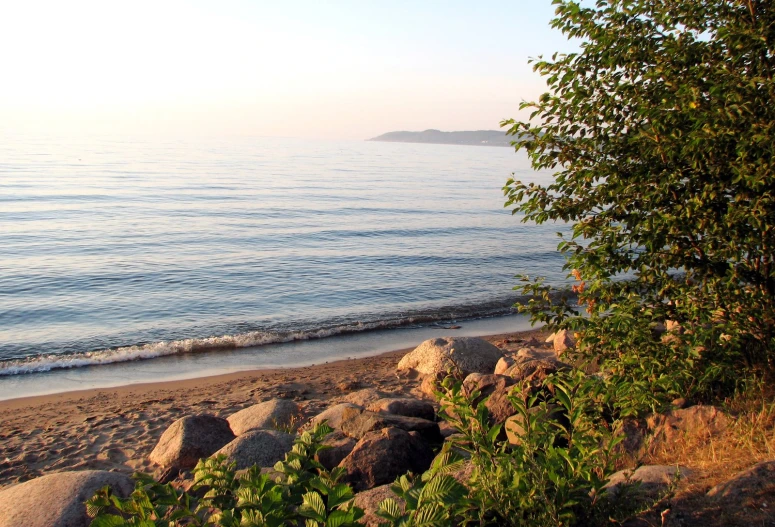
(660, 132)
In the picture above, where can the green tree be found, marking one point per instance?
(661, 132)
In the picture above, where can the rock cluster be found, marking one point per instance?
(377, 437)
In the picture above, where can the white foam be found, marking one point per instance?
(43, 363)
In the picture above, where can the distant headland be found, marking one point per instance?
(476, 137)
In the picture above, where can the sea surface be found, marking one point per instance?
(119, 250)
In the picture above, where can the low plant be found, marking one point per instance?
(552, 470)
(304, 492)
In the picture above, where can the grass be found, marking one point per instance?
(749, 440)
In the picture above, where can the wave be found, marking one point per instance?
(44, 363)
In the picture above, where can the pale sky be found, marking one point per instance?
(338, 69)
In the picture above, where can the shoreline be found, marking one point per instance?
(281, 355)
(116, 428)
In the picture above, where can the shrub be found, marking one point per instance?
(305, 492)
(660, 133)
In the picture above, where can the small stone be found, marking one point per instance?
(504, 363)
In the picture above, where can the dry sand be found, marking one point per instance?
(116, 428)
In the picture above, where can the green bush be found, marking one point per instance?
(659, 132)
(304, 492)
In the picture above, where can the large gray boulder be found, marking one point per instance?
(189, 439)
(357, 424)
(404, 406)
(275, 413)
(383, 455)
(333, 415)
(257, 447)
(57, 500)
(436, 356)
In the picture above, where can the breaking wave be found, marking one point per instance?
(44, 363)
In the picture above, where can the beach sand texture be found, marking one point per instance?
(116, 428)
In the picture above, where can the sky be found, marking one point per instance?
(322, 69)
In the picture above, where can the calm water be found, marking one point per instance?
(113, 250)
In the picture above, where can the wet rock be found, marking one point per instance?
(437, 356)
(189, 439)
(383, 455)
(57, 499)
(275, 413)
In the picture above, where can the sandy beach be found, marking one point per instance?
(116, 428)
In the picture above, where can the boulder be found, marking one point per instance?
(189, 439)
(696, 421)
(534, 371)
(365, 397)
(57, 499)
(404, 406)
(550, 338)
(653, 479)
(485, 384)
(257, 447)
(563, 341)
(333, 415)
(383, 455)
(530, 353)
(499, 404)
(275, 413)
(436, 356)
(431, 384)
(503, 364)
(369, 501)
(338, 447)
(357, 423)
(747, 484)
